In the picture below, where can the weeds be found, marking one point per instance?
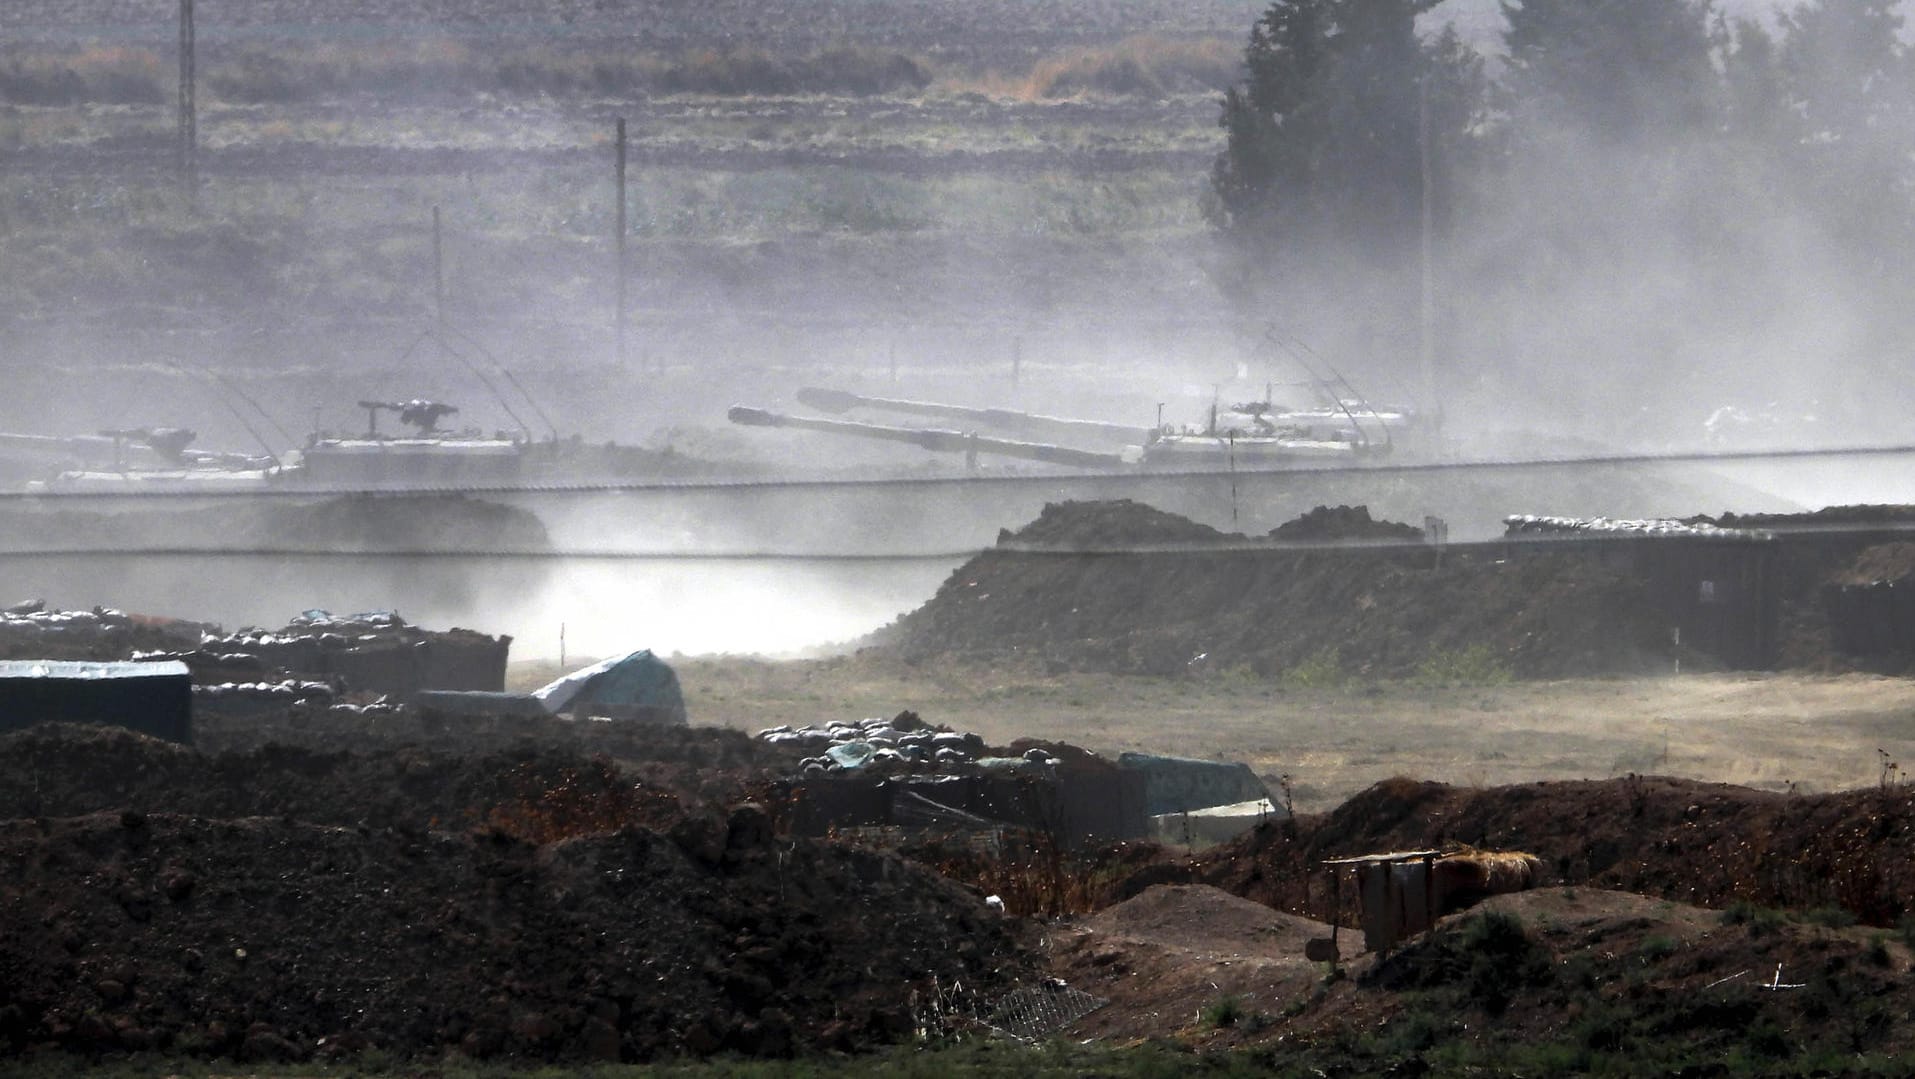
(1656, 949)
(1225, 1011)
(1032, 873)
(1830, 917)
(1476, 665)
(1322, 669)
(1758, 920)
(1877, 953)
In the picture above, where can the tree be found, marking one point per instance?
(1322, 137)
(1849, 87)
(1755, 98)
(1846, 68)
(1616, 69)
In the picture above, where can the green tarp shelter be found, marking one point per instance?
(637, 685)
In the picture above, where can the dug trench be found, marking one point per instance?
(572, 892)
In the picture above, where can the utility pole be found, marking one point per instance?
(188, 111)
(438, 270)
(1428, 315)
(621, 242)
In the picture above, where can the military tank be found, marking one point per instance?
(128, 459)
(427, 455)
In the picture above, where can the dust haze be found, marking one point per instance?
(968, 225)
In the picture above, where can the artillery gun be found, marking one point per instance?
(1253, 435)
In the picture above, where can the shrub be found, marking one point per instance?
(1759, 920)
(1830, 917)
(1877, 953)
(1414, 1032)
(1225, 1011)
(1656, 949)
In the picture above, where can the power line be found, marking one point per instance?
(1369, 468)
(507, 555)
(1761, 526)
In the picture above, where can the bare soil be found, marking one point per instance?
(1162, 956)
(284, 937)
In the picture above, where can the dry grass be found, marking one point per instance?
(1145, 65)
(1772, 732)
(1495, 871)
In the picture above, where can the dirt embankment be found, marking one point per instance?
(274, 939)
(57, 770)
(1708, 844)
(1090, 586)
(1118, 586)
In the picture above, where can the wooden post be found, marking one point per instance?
(621, 242)
(188, 110)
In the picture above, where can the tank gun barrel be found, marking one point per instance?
(931, 438)
(1003, 419)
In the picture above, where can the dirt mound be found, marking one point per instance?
(699, 765)
(1362, 612)
(1119, 522)
(271, 939)
(1160, 957)
(1609, 983)
(1702, 843)
(1343, 523)
(1893, 562)
(1116, 586)
(58, 770)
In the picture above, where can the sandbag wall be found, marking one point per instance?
(396, 665)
